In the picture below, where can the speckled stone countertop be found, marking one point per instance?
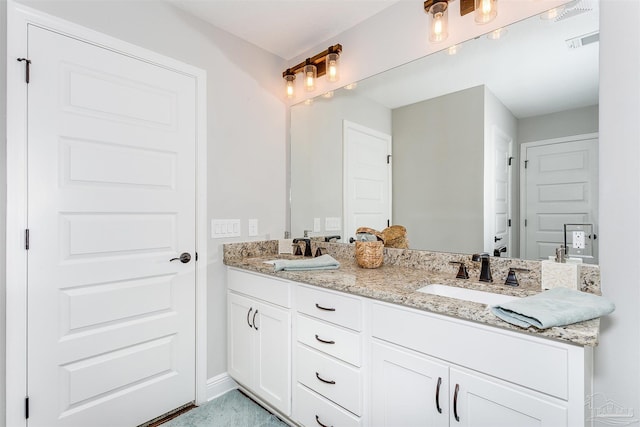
(397, 283)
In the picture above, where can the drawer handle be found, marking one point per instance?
(324, 341)
(455, 403)
(319, 307)
(323, 380)
(319, 423)
(249, 314)
(254, 320)
(438, 395)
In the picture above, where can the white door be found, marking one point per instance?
(111, 199)
(479, 402)
(560, 186)
(502, 164)
(407, 389)
(367, 178)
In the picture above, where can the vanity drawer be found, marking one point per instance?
(311, 410)
(330, 306)
(335, 380)
(333, 340)
(261, 287)
(538, 364)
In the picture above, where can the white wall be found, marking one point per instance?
(617, 358)
(437, 177)
(563, 123)
(246, 123)
(317, 152)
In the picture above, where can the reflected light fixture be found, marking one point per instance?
(486, 11)
(438, 11)
(326, 62)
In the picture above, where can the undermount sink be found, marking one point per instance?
(482, 297)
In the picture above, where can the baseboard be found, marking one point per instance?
(219, 385)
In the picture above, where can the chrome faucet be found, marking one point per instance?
(485, 270)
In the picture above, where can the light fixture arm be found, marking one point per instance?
(317, 60)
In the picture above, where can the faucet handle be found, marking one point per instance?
(462, 271)
(512, 280)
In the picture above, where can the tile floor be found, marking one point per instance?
(232, 409)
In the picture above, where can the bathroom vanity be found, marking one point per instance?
(357, 347)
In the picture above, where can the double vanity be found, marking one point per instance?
(384, 347)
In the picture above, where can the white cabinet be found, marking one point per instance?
(328, 361)
(259, 338)
(413, 384)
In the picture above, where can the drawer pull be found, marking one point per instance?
(324, 341)
(319, 307)
(455, 403)
(249, 314)
(254, 320)
(319, 423)
(438, 395)
(323, 380)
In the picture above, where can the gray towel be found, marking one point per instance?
(555, 307)
(323, 262)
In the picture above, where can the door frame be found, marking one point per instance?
(523, 178)
(18, 17)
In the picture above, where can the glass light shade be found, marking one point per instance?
(486, 11)
(332, 63)
(290, 83)
(310, 74)
(438, 22)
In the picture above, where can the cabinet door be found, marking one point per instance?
(241, 354)
(407, 389)
(273, 356)
(483, 402)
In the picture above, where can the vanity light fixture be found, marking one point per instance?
(497, 34)
(438, 11)
(486, 11)
(326, 62)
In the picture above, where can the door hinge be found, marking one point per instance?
(26, 239)
(526, 162)
(196, 256)
(28, 68)
(525, 222)
(509, 161)
(388, 223)
(26, 407)
(508, 223)
(388, 159)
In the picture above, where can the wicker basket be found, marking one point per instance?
(369, 254)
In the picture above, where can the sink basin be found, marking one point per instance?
(482, 297)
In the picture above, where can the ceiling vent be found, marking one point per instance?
(583, 40)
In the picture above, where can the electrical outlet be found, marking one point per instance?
(578, 240)
(253, 227)
(316, 225)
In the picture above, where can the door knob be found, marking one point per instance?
(184, 258)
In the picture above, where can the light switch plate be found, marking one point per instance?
(316, 225)
(253, 227)
(224, 228)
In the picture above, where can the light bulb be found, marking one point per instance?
(332, 66)
(438, 30)
(290, 85)
(486, 11)
(310, 73)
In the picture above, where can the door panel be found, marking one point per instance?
(111, 154)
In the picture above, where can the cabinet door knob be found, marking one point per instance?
(320, 424)
(438, 395)
(254, 320)
(319, 307)
(455, 403)
(323, 380)
(249, 314)
(324, 341)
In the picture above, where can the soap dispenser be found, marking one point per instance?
(558, 273)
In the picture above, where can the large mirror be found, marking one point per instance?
(493, 144)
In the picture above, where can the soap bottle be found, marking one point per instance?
(558, 273)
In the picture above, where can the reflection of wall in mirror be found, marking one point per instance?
(316, 156)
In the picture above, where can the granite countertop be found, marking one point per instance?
(398, 285)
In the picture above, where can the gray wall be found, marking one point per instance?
(563, 123)
(316, 156)
(438, 171)
(246, 121)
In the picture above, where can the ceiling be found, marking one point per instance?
(285, 28)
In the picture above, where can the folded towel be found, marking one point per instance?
(555, 307)
(323, 262)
